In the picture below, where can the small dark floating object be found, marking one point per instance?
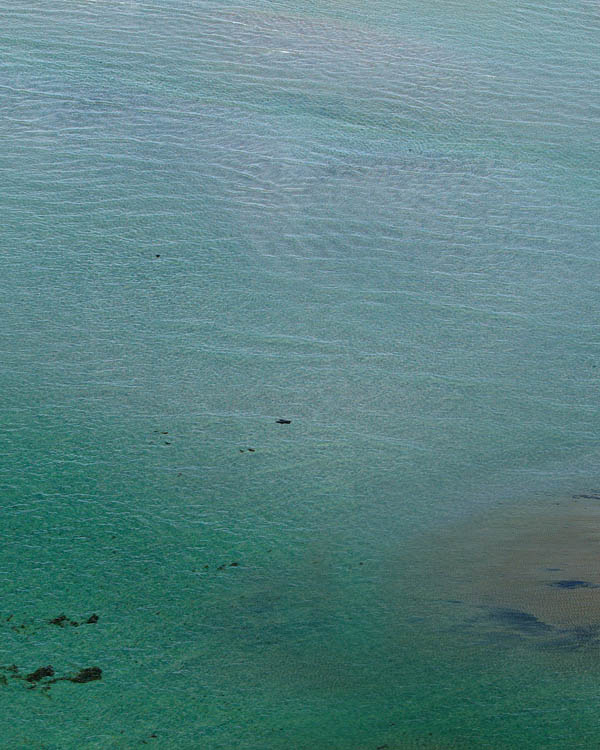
(92, 619)
(586, 497)
(233, 564)
(157, 255)
(573, 584)
(87, 675)
(40, 673)
(251, 450)
(284, 421)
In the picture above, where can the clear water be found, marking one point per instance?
(376, 220)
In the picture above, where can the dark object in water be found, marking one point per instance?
(520, 620)
(573, 584)
(284, 421)
(40, 674)
(87, 675)
(62, 620)
(586, 497)
(92, 619)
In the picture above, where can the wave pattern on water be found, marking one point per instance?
(378, 222)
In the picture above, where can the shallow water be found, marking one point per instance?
(379, 223)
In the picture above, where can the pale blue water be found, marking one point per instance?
(376, 220)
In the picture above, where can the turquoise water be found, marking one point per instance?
(378, 221)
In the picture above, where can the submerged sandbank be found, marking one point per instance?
(534, 568)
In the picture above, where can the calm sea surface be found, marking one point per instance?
(377, 220)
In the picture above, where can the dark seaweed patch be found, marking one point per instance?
(60, 621)
(573, 584)
(63, 620)
(44, 677)
(524, 622)
(40, 673)
(86, 675)
(575, 639)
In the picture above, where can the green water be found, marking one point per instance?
(376, 221)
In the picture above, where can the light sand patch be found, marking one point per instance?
(543, 560)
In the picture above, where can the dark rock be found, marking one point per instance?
(87, 675)
(40, 674)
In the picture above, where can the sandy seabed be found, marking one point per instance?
(531, 571)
